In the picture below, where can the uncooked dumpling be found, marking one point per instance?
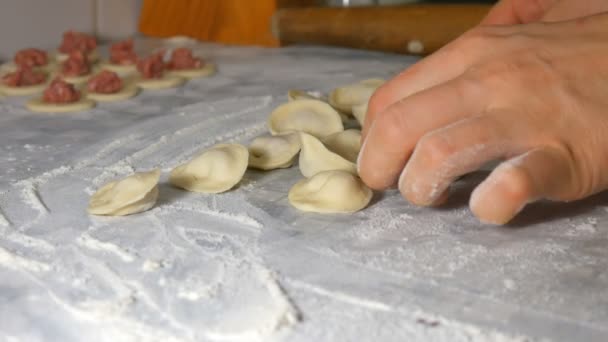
(130, 195)
(359, 112)
(274, 151)
(330, 192)
(346, 97)
(347, 143)
(215, 170)
(297, 94)
(310, 116)
(315, 158)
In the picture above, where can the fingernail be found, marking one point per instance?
(359, 157)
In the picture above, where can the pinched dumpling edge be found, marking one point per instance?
(186, 179)
(315, 157)
(137, 200)
(346, 143)
(308, 194)
(272, 159)
(334, 96)
(333, 122)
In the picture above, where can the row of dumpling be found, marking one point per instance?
(306, 126)
(73, 78)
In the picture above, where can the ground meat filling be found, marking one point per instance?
(106, 82)
(152, 67)
(77, 41)
(123, 53)
(77, 64)
(182, 59)
(24, 77)
(29, 58)
(60, 92)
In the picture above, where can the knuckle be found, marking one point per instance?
(494, 75)
(393, 122)
(477, 38)
(374, 106)
(517, 183)
(435, 149)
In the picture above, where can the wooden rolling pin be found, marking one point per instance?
(409, 29)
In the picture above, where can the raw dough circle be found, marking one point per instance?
(274, 152)
(330, 192)
(215, 170)
(120, 69)
(180, 40)
(39, 106)
(127, 92)
(167, 81)
(130, 195)
(207, 70)
(25, 90)
(310, 116)
(77, 80)
(93, 56)
(22, 91)
(315, 158)
(11, 66)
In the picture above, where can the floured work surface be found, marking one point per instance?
(245, 265)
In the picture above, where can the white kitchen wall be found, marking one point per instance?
(40, 23)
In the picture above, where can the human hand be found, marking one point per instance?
(511, 12)
(535, 95)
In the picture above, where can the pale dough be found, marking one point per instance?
(215, 170)
(37, 105)
(93, 56)
(207, 70)
(26, 90)
(347, 143)
(77, 80)
(128, 91)
(22, 91)
(330, 192)
(167, 81)
(360, 111)
(345, 97)
(315, 158)
(297, 94)
(274, 152)
(310, 116)
(130, 195)
(120, 69)
(11, 66)
(180, 41)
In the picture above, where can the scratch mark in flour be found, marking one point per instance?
(232, 135)
(291, 314)
(19, 263)
(340, 296)
(30, 196)
(30, 241)
(89, 242)
(4, 220)
(201, 209)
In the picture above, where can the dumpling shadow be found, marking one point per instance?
(169, 194)
(547, 211)
(535, 213)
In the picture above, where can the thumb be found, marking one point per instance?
(513, 12)
(541, 173)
